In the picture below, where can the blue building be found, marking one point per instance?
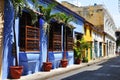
(32, 42)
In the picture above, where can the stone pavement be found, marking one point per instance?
(58, 71)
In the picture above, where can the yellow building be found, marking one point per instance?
(1, 32)
(88, 38)
(95, 37)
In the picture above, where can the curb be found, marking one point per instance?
(59, 71)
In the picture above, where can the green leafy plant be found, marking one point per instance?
(47, 17)
(34, 12)
(65, 20)
(79, 48)
(18, 6)
(16, 71)
(77, 53)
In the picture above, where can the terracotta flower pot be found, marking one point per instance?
(16, 71)
(64, 63)
(77, 61)
(47, 66)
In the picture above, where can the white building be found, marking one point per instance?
(97, 38)
(109, 30)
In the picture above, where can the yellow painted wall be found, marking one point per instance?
(88, 37)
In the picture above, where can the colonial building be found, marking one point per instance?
(32, 42)
(99, 17)
(109, 39)
(98, 42)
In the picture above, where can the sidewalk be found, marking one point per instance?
(58, 71)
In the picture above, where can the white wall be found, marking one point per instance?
(109, 28)
(99, 38)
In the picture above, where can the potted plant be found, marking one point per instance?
(77, 53)
(18, 5)
(79, 49)
(64, 19)
(16, 71)
(86, 46)
(47, 17)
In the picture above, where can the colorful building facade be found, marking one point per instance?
(93, 36)
(100, 18)
(88, 38)
(32, 51)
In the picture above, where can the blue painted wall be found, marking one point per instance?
(8, 39)
(32, 61)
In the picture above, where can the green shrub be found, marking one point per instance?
(85, 59)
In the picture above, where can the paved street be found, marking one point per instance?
(106, 70)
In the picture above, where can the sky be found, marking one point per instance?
(110, 5)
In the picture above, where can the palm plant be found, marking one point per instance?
(65, 19)
(18, 6)
(16, 71)
(34, 12)
(79, 47)
(47, 16)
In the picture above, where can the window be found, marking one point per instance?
(69, 40)
(29, 39)
(55, 37)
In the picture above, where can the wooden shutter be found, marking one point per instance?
(69, 40)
